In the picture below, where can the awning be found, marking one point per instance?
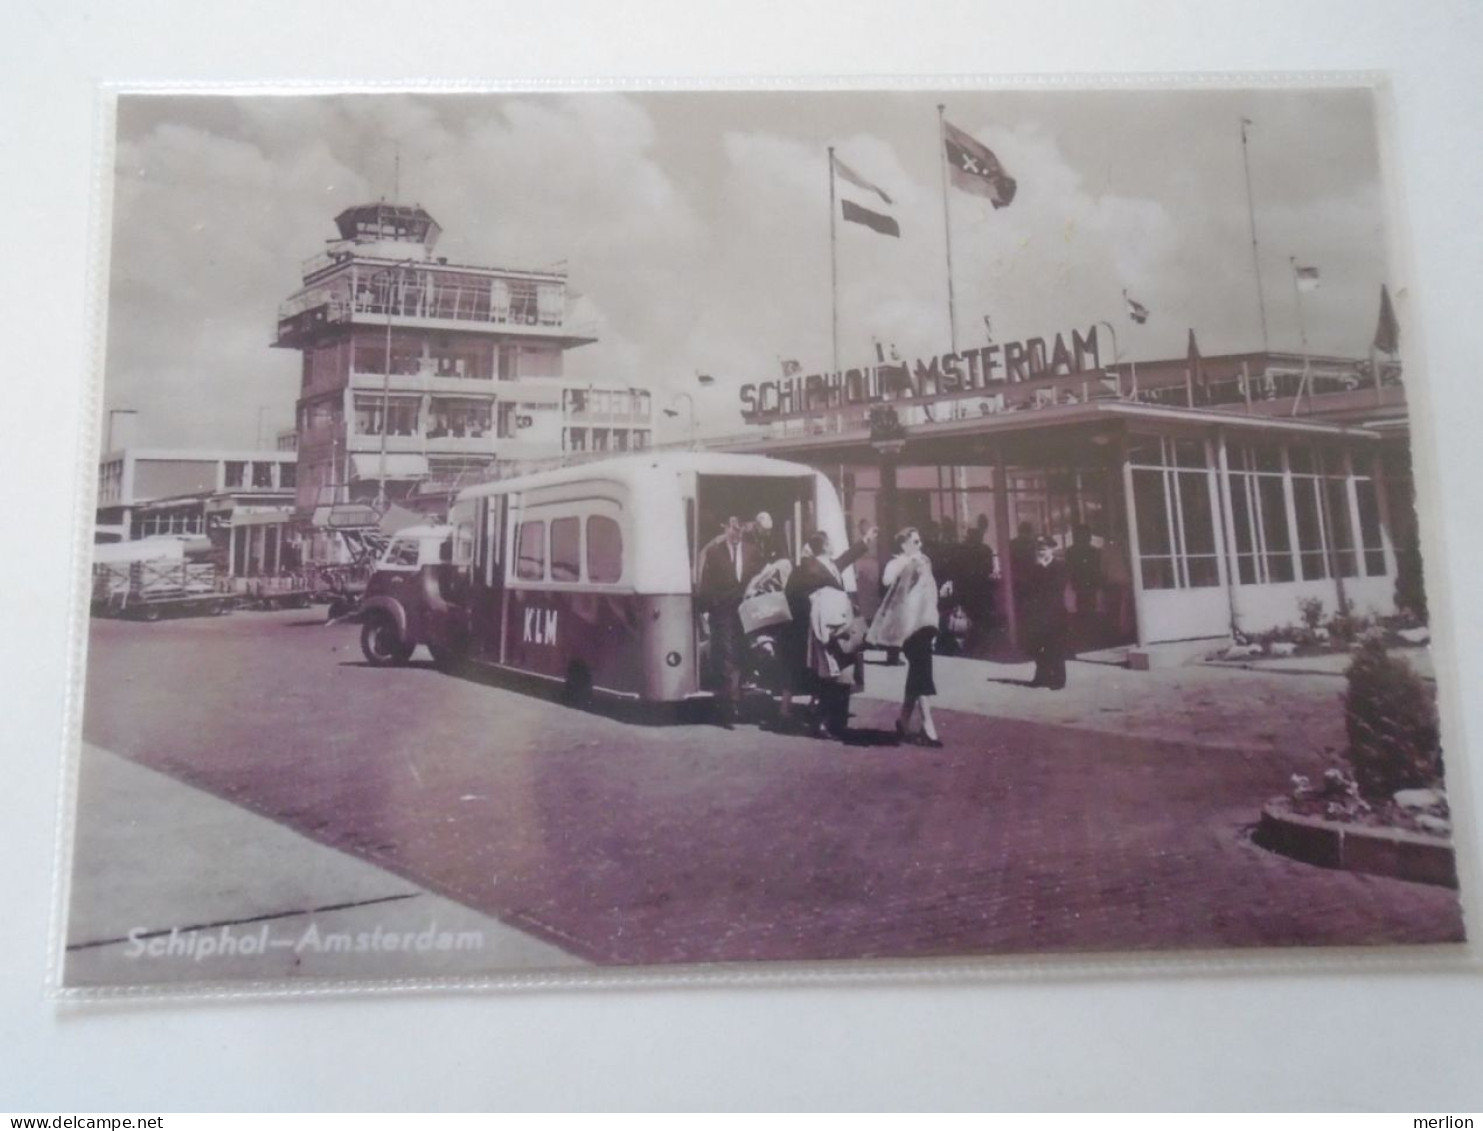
(399, 465)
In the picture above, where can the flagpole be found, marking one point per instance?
(1297, 297)
(833, 264)
(947, 225)
(1256, 262)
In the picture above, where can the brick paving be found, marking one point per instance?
(1112, 817)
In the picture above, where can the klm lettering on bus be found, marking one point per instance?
(540, 626)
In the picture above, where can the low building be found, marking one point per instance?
(241, 501)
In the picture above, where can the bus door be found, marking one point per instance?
(489, 576)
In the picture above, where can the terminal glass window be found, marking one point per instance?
(1263, 549)
(566, 552)
(1372, 542)
(288, 474)
(1176, 526)
(236, 473)
(1308, 508)
(530, 556)
(604, 550)
(1340, 522)
(262, 474)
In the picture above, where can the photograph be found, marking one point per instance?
(539, 534)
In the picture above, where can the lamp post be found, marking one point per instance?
(690, 404)
(392, 275)
(1116, 354)
(108, 442)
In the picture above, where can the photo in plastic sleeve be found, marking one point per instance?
(538, 534)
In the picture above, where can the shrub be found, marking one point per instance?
(1391, 722)
(1311, 610)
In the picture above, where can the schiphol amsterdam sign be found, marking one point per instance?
(964, 372)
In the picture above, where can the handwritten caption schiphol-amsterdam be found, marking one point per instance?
(224, 942)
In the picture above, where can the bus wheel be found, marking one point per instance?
(150, 613)
(381, 644)
(577, 691)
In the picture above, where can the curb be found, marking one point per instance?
(1396, 853)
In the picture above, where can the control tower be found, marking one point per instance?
(420, 374)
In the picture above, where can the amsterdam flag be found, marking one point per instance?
(873, 217)
(1387, 330)
(975, 169)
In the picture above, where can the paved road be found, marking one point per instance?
(622, 841)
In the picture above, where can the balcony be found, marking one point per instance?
(304, 317)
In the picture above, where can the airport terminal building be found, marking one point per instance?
(1220, 491)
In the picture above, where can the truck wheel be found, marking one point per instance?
(381, 645)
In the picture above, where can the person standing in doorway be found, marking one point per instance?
(1084, 569)
(726, 567)
(1045, 623)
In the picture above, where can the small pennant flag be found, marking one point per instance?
(1387, 330)
(1195, 362)
(974, 168)
(1307, 278)
(874, 217)
(1136, 310)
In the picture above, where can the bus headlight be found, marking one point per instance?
(673, 659)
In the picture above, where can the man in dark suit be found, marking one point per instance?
(1045, 624)
(726, 566)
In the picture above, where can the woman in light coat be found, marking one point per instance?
(907, 619)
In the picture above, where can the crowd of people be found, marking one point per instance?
(934, 595)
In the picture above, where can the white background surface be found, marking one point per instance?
(1404, 1041)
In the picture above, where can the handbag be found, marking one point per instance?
(958, 623)
(764, 611)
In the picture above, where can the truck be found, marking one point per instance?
(154, 578)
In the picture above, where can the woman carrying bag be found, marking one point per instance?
(907, 619)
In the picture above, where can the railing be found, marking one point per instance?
(340, 309)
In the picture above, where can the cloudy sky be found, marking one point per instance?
(696, 227)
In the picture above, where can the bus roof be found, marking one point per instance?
(638, 466)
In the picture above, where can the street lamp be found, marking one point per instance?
(690, 404)
(1115, 354)
(392, 275)
(108, 443)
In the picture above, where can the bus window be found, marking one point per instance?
(463, 543)
(604, 550)
(566, 557)
(403, 552)
(531, 555)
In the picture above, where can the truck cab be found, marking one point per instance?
(416, 595)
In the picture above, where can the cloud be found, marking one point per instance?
(697, 228)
